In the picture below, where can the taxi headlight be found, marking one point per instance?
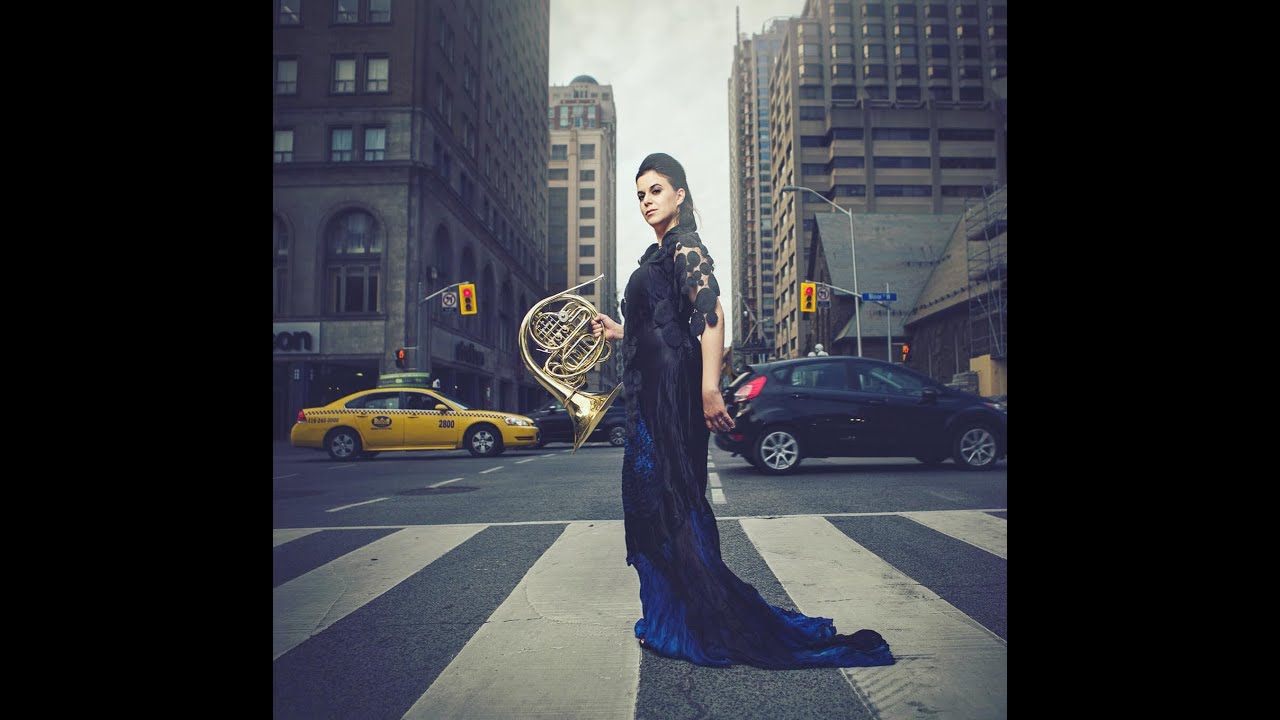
(519, 421)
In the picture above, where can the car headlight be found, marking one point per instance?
(519, 421)
(997, 406)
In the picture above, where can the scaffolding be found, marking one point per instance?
(986, 222)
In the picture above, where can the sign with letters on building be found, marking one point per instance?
(295, 338)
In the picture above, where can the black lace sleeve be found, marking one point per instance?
(695, 272)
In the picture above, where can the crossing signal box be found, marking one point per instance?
(906, 352)
(807, 297)
(402, 358)
(467, 298)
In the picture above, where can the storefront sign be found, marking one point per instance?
(301, 338)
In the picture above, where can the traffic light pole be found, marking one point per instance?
(888, 322)
(424, 347)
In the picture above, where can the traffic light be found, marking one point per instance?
(906, 352)
(806, 297)
(402, 358)
(467, 295)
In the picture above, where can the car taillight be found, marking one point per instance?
(301, 417)
(750, 390)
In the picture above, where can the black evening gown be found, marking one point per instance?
(694, 608)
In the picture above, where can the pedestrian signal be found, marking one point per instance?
(402, 358)
(467, 293)
(806, 297)
(906, 352)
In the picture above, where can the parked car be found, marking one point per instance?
(838, 406)
(554, 424)
(366, 423)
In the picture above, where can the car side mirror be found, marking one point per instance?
(442, 407)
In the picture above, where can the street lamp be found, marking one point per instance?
(853, 249)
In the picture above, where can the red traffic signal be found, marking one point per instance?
(402, 358)
(906, 352)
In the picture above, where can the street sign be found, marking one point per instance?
(449, 300)
(824, 296)
(881, 297)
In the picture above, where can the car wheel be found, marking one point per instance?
(482, 441)
(777, 451)
(934, 459)
(974, 447)
(618, 436)
(342, 443)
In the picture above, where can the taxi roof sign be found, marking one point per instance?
(407, 379)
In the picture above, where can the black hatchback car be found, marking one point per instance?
(554, 425)
(838, 406)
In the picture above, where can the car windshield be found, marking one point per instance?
(461, 406)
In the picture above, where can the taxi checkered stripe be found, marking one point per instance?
(487, 414)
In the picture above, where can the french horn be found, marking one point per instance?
(565, 334)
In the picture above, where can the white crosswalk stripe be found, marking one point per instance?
(561, 644)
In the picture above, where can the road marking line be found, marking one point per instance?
(344, 507)
(281, 477)
(546, 455)
(311, 602)
(339, 467)
(974, 527)
(280, 537)
(520, 462)
(714, 478)
(446, 482)
(482, 472)
(711, 464)
(543, 623)
(948, 664)
(717, 496)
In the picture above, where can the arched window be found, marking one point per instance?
(354, 244)
(281, 274)
(487, 296)
(444, 276)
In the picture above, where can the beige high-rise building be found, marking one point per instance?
(880, 107)
(581, 207)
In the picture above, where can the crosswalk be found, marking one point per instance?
(534, 619)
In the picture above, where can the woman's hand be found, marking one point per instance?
(714, 412)
(604, 325)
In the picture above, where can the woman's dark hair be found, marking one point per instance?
(673, 171)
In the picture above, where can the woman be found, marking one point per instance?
(693, 606)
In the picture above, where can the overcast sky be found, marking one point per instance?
(668, 62)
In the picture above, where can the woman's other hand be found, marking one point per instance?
(604, 325)
(714, 412)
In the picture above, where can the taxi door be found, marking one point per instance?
(427, 427)
(379, 419)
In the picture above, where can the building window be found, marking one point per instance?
(875, 71)
(901, 162)
(811, 71)
(885, 133)
(966, 11)
(967, 31)
(935, 11)
(586, 176)
(847, 161)
(813, 112)
(1000, 52)
(996, 32)
(935, 31)
(375, 144)
(444, 101)
(354, 263)
(909, 93)
(286, 77)
(904, 191)
(997, 12)
(340, 145)
(939, 52)
(967, 163)
(559, 152)
(586, 193)
(940, 93)
(344, 75)
(939, 72)
(872, 10)
(379, 11)
(971, 51)
(806, 93)
(962, 191)
(842, 51)
(908, 71)
(283, 146)
(586, 251)
(873, 52)
(586, 231)
(813, 169)
(904, 31)
(841, 29)
(810, 51)
(586, 213)
(842, 9)
(843, 92)
(904, 10)
(873, 30)
(586, 268)
(289, 12)
(587, 151)
(971, 94)
(346, 11)
(377, 73)
(558, 174)
(281, 270)
(966, 134)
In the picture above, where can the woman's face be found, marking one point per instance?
(659, 204)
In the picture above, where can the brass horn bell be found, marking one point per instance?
(565, 333)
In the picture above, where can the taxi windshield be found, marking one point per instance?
(461, 406)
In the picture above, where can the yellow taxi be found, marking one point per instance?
(366, 423)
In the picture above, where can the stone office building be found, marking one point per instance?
(401, 134)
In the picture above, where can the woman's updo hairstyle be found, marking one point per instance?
(673, 171)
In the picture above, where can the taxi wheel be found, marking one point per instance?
(342, 443)
(483, 441)
(618, 436)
